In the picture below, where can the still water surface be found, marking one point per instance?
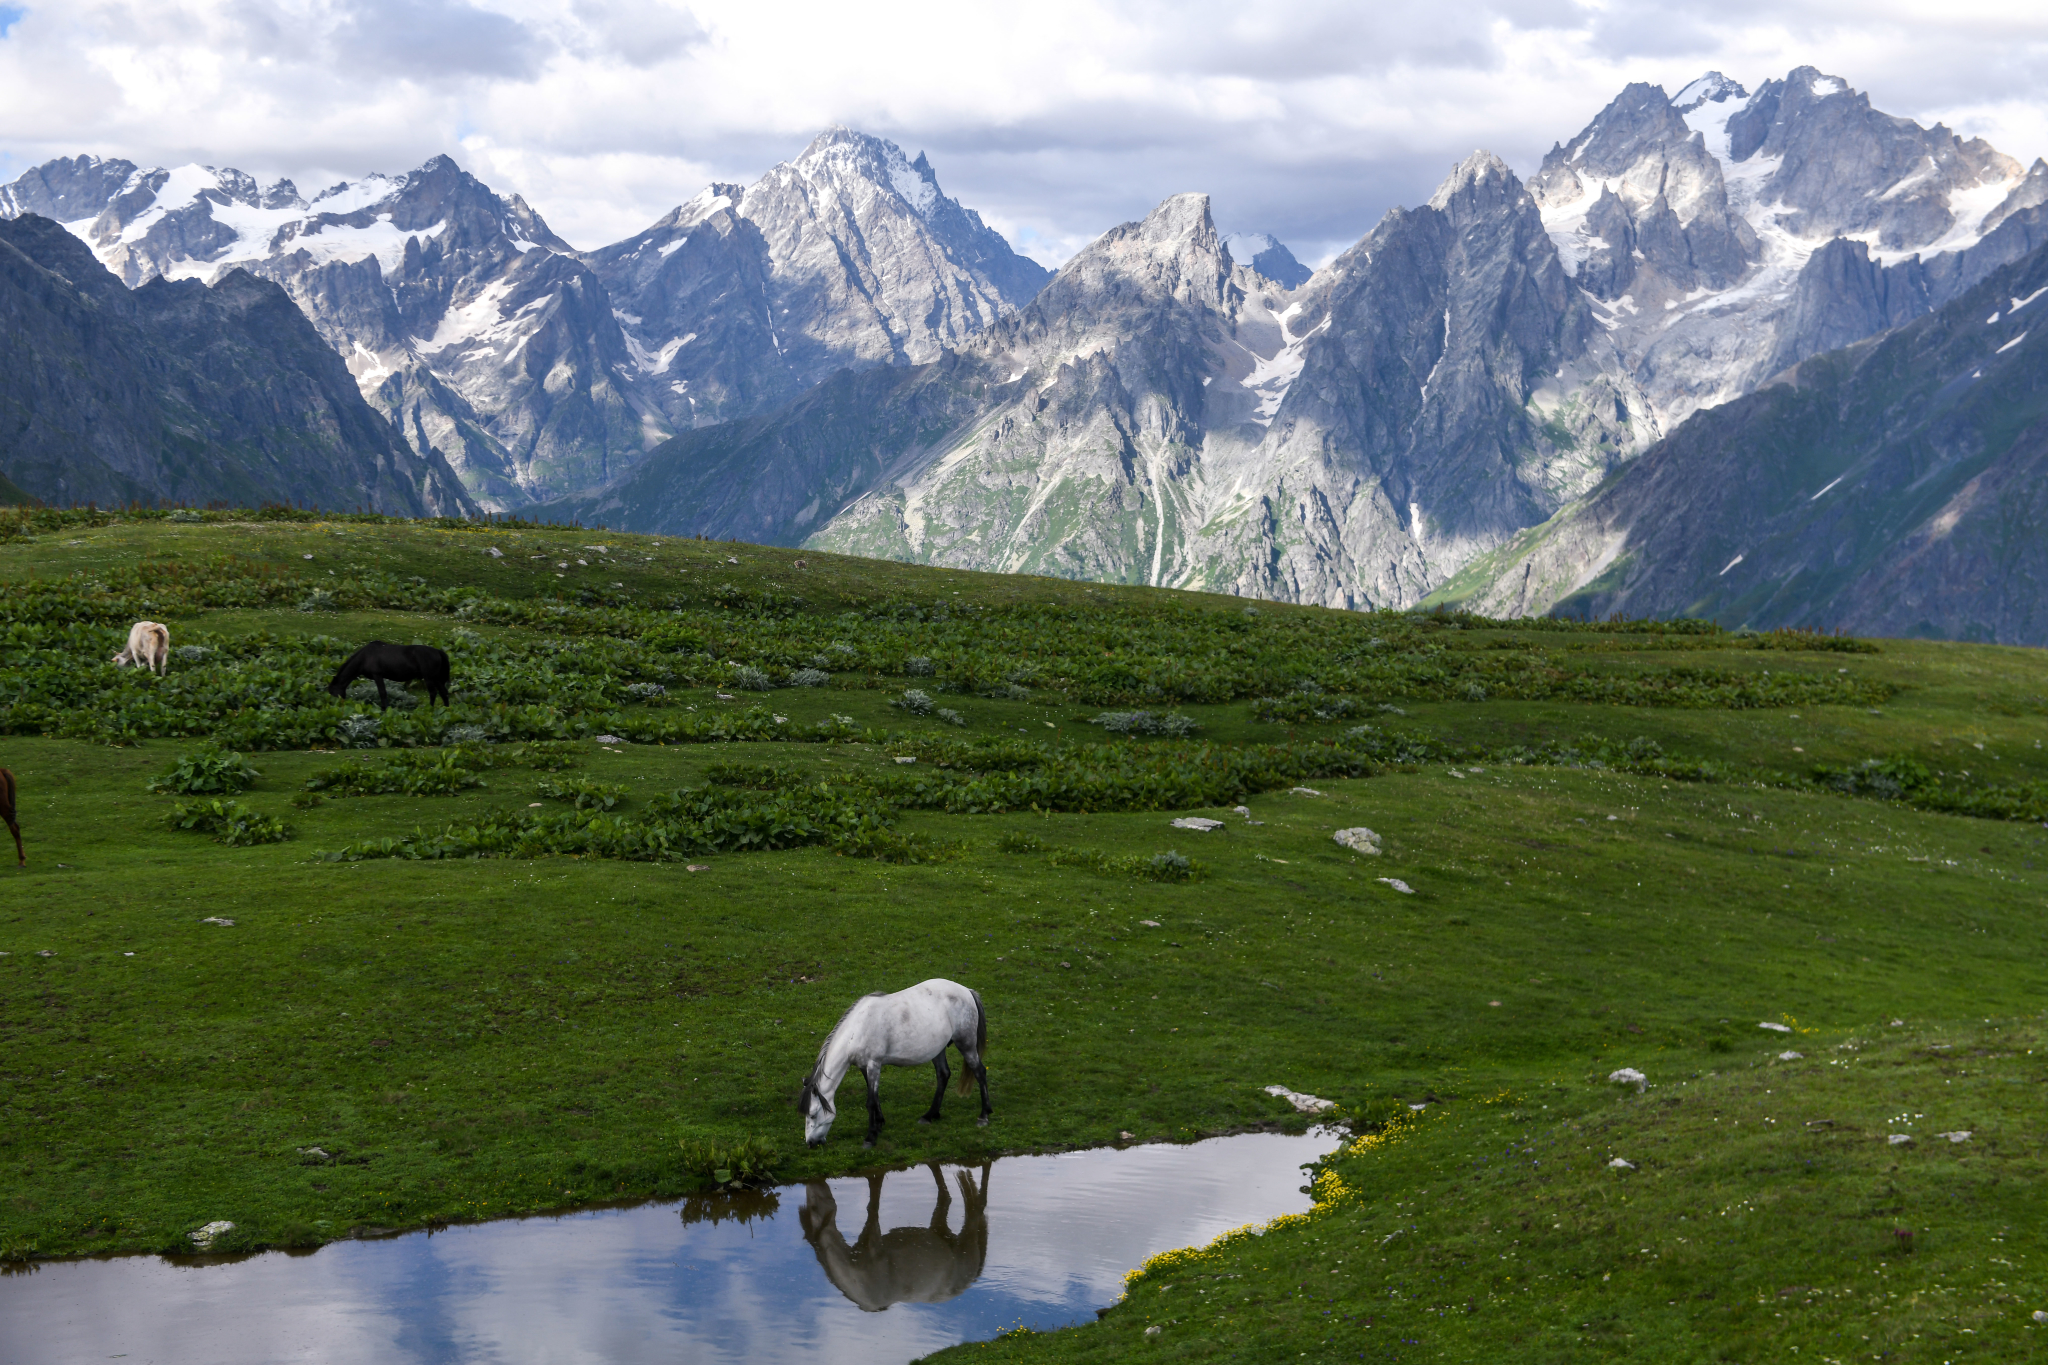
(875, 1269)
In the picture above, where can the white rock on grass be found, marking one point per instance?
(1776, 1028)
(1791, 1056)
(1621, 1164)
(1303, 791)
(1303, 1104)
(1960, 1135)
(216, 919)
(2041, 1315)
(1359, 839)
(203, 1238)
(1197, 822)
(1898, 1139)
(1628, 1075)
(1399, 885)
(608, 739)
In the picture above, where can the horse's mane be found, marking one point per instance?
(833, 1032)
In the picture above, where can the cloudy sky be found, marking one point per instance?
(1055, 119)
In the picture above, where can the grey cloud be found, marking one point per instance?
(640, 33)
(436, 39)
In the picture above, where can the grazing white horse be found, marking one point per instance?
(149, 646)
(909, 1028)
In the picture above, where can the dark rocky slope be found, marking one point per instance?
(176, 392)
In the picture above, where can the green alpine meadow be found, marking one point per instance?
(1680, 990)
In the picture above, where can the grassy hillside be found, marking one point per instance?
(1627, 846)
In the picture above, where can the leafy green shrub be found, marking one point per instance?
(747, 678)
(320, 599)
(1146, 723)
(208, 771)
(1301, 708)
(950, 716)
(645, 691)
(757, 776)
(582, 792)
(1008, 691)
(407, 772)
(1170, 866)
(363, 691)
(915, 701)
(230, 822)
(919, 667)
(749, 1162)
(809, 677)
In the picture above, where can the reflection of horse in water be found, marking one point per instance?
(902, 1265)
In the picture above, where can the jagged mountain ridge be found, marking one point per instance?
(536, 371)
(177, 392)
(1162, 414)
(1898, 486)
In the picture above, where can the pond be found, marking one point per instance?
(879, 1268)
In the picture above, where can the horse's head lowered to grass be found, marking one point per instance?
(818, 1112)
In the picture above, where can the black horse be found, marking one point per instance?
(382, 663)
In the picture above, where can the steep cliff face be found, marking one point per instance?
(1895, 487)
(848, 256)
(180, 392)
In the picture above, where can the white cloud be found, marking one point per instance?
(1307, 119)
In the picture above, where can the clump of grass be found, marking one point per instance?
(950, 716)
(748, 1162)
(914, 700)
(319, 599)
(1008, 691)
(919, 667)
(1170, 866)
(229, 822)
(583, 793)
(748, 678)
(645, 691)
(209, 771)
(809, 677)
(1146, 723)
(755, 776)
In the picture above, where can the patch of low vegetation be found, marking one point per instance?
(229, 822)
(207, 771)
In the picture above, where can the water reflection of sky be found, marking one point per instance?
(641, 1284)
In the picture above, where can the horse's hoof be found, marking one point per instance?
(981, 1122)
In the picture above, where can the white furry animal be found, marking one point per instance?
(910, 1028)
(149, 646)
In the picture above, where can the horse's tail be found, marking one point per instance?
(966, 1082)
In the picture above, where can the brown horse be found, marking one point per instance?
(7, 812)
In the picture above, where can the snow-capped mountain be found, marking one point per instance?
(847, 256)
(1162, 414)
(486, 339)
(1727, 236)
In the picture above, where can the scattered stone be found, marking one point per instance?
(45, 952)
(495, 553)
(2040, 1315)
(1359, 839)
(531, 805)
(1399, 885)
(1899, 1139)
(1303, 1104)
(1153, 1330)
(697, 867)
(1776, 1028)
(1628, 1075)
(1898, 1023)
(1197, 822)
(1068, 965)
(203, 1238)
(1960, 1135)
(907, 758)
(1124, 1137)
(727, 696)
(1303, 791)
(317, 1153)
(1621, 1164)
(1791, 1056)
(216, 919)
(1418, 1108)
(610, 739)
(1494, 1003)
(1149, 923)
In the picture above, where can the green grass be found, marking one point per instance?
(472, 1037)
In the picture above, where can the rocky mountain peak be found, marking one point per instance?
(1266, 255)
(1712, 88)
(1476, 187)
